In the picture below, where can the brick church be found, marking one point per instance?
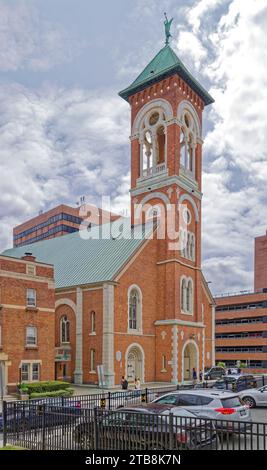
(138, 305)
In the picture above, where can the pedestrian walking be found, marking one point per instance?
(137, 384)
(124, 383)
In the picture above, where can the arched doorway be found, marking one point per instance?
(134, 363)
(190, 360)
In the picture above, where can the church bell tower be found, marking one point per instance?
(167, 103)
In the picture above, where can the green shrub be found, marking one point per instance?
(243, 365)
(57, 393)
(43, 387)
(221, 364)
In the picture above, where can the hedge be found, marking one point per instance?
(43, 387)
(57, 393)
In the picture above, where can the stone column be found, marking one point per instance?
(203, 342)
(78, 373)
(175, 354)
(108, 334)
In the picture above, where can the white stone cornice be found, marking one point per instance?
(27, 277)
(163, 181)
(179, 322)
(22, 307)
(177, 260)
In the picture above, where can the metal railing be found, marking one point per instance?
(238, 293)
(45, 427)
(119, 398)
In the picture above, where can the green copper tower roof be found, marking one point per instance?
(164, 64)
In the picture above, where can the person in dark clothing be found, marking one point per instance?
(124, 383)
(194, 374)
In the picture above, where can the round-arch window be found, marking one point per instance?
(154, 118)
(187, 216)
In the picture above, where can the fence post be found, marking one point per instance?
(109, 404)
(96, 440)
(146, 395)
(171, 431)
(4, 423)
(43, 426)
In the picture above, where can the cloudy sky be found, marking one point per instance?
(64, 130)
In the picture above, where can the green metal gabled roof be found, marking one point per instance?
(78, 262)
(164, 64)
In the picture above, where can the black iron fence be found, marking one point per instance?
(48, 427)
(120, 398)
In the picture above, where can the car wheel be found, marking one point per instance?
(249, 401)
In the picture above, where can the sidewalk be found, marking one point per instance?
(91, 390)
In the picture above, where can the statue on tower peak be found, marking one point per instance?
(167, 24)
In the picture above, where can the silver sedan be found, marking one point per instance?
(254, 396)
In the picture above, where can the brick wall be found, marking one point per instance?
(15, 317)
(260, 261)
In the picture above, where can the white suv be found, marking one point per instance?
(220, 405)
(254, 397)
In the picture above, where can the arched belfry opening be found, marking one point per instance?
(152, 139)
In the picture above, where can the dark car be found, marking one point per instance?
(214, 373)
(236, 383)
(34, 415)
(146, 427)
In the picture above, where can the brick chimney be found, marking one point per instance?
(28, 257)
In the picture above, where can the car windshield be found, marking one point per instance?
(231, 402)
(168, 400)
(229, 379)
(129, 418)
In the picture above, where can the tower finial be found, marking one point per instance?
(167, 24)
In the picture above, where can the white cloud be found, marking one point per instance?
(29, 41)
(55, 146)
(234, 206)
(199, 10)
(192, 46)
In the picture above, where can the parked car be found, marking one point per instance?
(147, 427)
(236, 383)
(254, 397)
(30, 416)
(214, 373)
(213, 404)
(233, 371)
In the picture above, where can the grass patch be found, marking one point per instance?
(11, 448)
